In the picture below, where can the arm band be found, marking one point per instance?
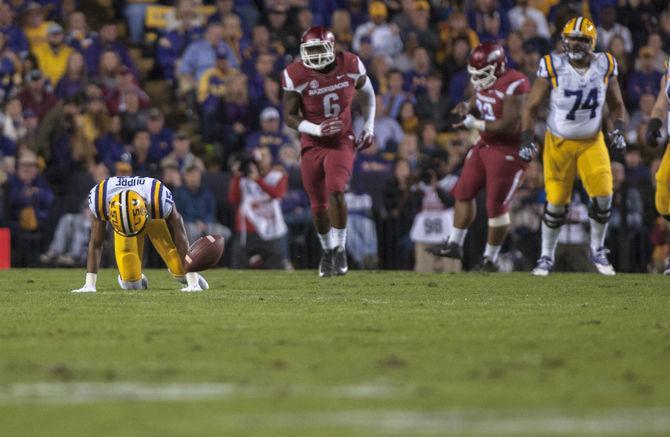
(368, 105)
(307, 127)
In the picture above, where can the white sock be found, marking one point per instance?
(326, 241)
(457, 235)
(598, 233)
(339, 237)
(492, 252)
(549, 240)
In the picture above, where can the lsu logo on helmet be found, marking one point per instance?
(128, 213)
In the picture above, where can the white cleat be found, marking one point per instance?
(599, 259)
(543, 267)
(666, 271)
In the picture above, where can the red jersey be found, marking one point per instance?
(490, 106)
(325, 95)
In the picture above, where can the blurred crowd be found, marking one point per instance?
(188, 91)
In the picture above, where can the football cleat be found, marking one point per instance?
(447, 249)
(543, 267)
(666, 271)
(486, 265)
(599, 259)
(326, 266)
(340, 261)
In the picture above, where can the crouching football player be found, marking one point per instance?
(137, 207)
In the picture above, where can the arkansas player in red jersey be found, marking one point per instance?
(318, 91)
(494, 162)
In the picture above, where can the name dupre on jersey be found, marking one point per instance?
(577, 98)
(156, 196)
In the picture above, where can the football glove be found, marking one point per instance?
(653, 132)
(331, 126)
(528, 147)
(617, 138)
(365, 140)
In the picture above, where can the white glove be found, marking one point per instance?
(191, 288)
(85, 289)
(89, 286)
(470, 122)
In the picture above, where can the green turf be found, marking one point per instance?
(367, 354)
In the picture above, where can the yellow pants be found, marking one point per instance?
(564, 159)
(129, 250)
(663, 185)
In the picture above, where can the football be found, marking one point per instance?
(204, 253)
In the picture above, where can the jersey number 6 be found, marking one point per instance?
(330, 106)
(591, 102)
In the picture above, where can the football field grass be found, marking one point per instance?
(287, 354)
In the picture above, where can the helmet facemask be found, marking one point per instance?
(482, 78)
(317, 54)
(578, 47)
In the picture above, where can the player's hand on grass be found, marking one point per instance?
(365, 140)
(528, 148)
(192, 288)
(331, 126)
(85, 289)
(653, 132)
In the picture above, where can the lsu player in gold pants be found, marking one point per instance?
(653, 138)
(137, 208)
(579, 82)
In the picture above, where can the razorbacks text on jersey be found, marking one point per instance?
(156, 196)
(489, 103)
(325, 95)
(577, 98)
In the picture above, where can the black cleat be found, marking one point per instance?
(340, 261)
(326, 265)
(447, 249)
(486, 265)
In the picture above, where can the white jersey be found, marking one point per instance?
(667, 90)
(577, 99)
(156, 196)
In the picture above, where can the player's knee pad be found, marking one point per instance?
(501, 220)
(600, 209)
(554, 215)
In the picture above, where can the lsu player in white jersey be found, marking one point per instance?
(654, 138)
(579, 82)
(137, 207)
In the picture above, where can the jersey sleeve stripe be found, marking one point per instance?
(288, 82)
(610, 67)
(155, 199)
(160, 202)
(100, 200)
(513, 86)
(551, 71)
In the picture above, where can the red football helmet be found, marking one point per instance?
(487, 63)
(317, 47)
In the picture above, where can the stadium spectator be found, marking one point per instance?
(455, 71)
(664, 30)
(181, 156)
(124, 84)
(514, 50)
(617, 49)
(133, 116)
(645, 79)
(456, 26)
(245, 9)
(184, 15)
(233, 36)
(277, 24)
(522, 12)
(399, 216)
(198, 206)
(609, 28)
(70, 242)
(341, 27)
(35, 25)
(409, 121)
(12, 126)
(78, 35)
(269, 135)
(36, 95)
(110, 145)
(161, 136)
(29, 199)
(256, 191)
(171, 46)
(385, 37)
(74, 79)
(433, 105)
(655, 42)
(361, 230)
(135, 11)
(213, 89)
(263, 68)
(489, 20)
(142, 163)
(394, 98)
(417, 77)
(270, 98)
(15, 39)
(95, 118)
(201, 55)
(53, 56)
(107, 40)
